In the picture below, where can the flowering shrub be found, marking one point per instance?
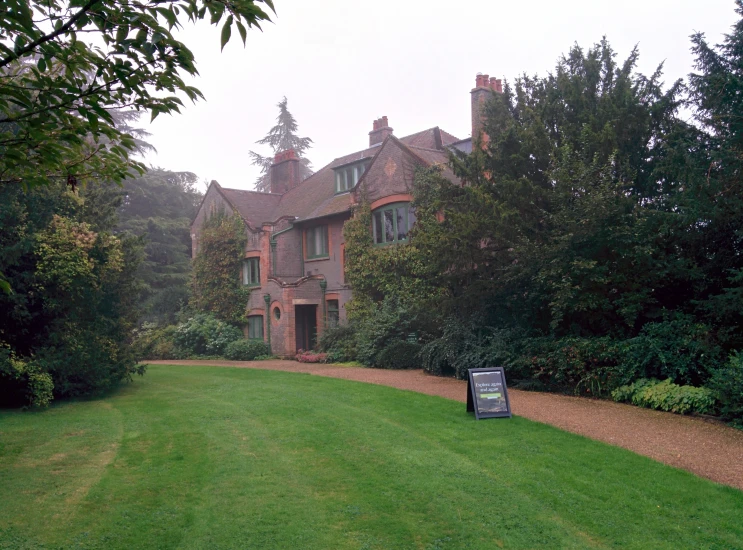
(311, 357)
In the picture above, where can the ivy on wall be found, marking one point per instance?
(216, 284)
(401, 271)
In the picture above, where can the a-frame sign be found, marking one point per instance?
(487, 394)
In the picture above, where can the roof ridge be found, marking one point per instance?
(250, 191)
(416, 133)
(410, 151)
(426, 149)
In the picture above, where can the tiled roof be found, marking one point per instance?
(436, 158)
(253, 206)
(315, 197)
(427, 139)
(430, 156)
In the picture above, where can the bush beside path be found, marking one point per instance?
(706, 448)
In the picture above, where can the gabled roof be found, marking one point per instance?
(433, 138)
(430, 156)
(254, 207)
(315, 197)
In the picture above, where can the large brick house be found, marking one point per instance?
(294, 257)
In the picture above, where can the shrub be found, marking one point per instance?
(202, 334)
(311, 357)
(399, 354)
(163, 345)
(151, 342)
(585, 366)
(339, 343)
(386, 322)
(246, 350)
(469, 345)
(678, 348)
(727, 383)
(84, 362)
(667, 396)
(23, 382)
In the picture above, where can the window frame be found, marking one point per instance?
(333, 309)
(309, 237)
(253, 321)
(349, 172)
(246, 271)
(408, 216)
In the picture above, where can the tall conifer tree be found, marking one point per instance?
(281, 137)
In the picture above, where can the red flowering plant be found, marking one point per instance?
(311, 356)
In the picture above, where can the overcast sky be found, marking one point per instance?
(344, 63)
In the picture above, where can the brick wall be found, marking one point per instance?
(289, 254)
(391, 174)
(285, 172)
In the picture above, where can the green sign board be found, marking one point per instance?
(487, 395)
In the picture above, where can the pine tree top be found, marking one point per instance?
(281, 137)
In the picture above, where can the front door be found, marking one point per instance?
(306, 326)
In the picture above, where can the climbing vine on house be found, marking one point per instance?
(216, 284)
(399, 271)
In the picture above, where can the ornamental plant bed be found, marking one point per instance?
(311, 357)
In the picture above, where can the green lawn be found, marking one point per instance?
(206, 457)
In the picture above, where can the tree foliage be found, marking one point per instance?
(558, 228)
(159, 207)
(714, 241)
(594, 237)
(216, 284)
(65, 64)
(281, 137)
(74, 290)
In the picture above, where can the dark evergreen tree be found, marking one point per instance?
(593, 230)
(714, 206)
(159, 207)
(555, 230)
(281, 137)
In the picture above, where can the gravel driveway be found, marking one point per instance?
(707, 448)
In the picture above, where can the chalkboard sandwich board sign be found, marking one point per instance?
(487, 394)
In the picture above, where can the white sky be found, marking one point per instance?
(344, 63)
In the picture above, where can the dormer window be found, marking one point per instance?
(346, 177)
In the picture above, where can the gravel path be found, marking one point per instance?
(707, 448)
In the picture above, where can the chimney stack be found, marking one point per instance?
(285, 171)
(483, 90)
(381, 130)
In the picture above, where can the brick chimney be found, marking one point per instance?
(483, 90)
(380, 132)
(285, 171)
